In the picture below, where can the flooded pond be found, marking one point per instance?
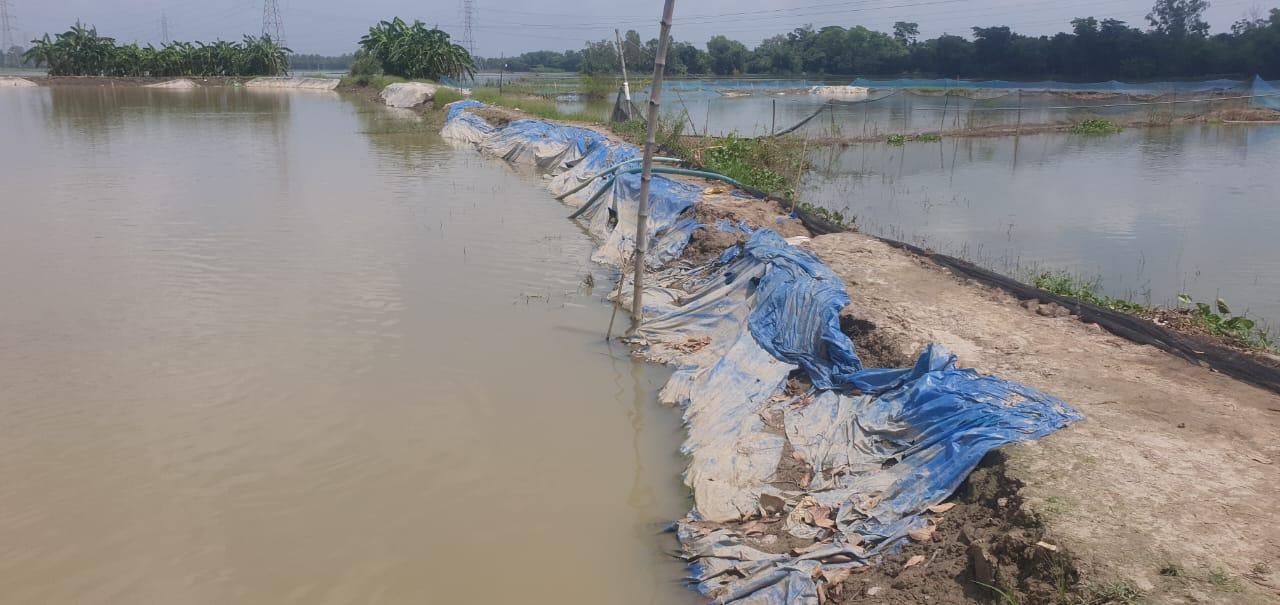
(1153, 212)
(274, 348)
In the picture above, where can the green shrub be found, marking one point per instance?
(414, 51)
(365, 64)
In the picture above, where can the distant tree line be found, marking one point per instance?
(81, 51)
(320, 62)
(1177, 44)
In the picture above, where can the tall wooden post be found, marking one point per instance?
(646, 172)
(622, 60)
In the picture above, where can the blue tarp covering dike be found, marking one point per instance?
(881, 445)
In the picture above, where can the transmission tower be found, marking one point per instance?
(272, 24)
(164, 26)
(468, 8)
(6, 32)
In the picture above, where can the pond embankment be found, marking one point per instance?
(1154, 494)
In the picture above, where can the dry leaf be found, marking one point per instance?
(942, 508)
(923, 534)
(913, 561)
(836, 576)
(823, 517)
(804, 550)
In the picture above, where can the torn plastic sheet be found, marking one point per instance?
(546, 145)
(736, 329)
(575, 154)
(935, 420)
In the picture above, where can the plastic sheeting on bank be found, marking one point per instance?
(881, 445)
(297, 83)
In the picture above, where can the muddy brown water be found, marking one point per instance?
(290, 347)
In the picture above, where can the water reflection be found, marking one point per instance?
(1154, 212)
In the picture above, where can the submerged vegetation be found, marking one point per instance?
(412, 51)
(1095, 127)
(903, 139)
(1190, 316)
(81, 51)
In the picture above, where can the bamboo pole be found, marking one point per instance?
(622, 60)
(1017, 130)
(646, 172)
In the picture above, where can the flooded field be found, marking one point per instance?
(1153, 212)
(274, 348)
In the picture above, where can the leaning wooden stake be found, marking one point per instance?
(646, 172)
(622, 61)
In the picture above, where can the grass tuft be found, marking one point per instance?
(1087, 290)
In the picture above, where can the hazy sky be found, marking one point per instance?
(512, 26)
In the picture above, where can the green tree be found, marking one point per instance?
(727, 56)
(1179, 18)
(906, 32)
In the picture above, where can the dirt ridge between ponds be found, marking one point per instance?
(1164, 494)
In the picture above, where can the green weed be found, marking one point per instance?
(445, 96)
(1087, 290)
(1116, 593)
(1095, 127)
(1222, 580)
(378, 81)
(746, 161)
(1221, 322)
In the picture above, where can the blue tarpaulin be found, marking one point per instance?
(882, 444)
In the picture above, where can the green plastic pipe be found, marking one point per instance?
(611, 170)
(594, 198)
(690, 172)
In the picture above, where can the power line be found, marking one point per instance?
(468, 37)
(272, 23)
(6, 31)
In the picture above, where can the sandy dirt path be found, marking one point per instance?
(1170, 484)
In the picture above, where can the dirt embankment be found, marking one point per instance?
(129, 82)
(1162, 495)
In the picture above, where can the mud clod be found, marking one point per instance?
(979, 546)
(876, 349)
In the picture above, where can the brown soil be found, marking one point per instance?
(1165, 489)
(987, 542)
(707, 244)
(1241, 114)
